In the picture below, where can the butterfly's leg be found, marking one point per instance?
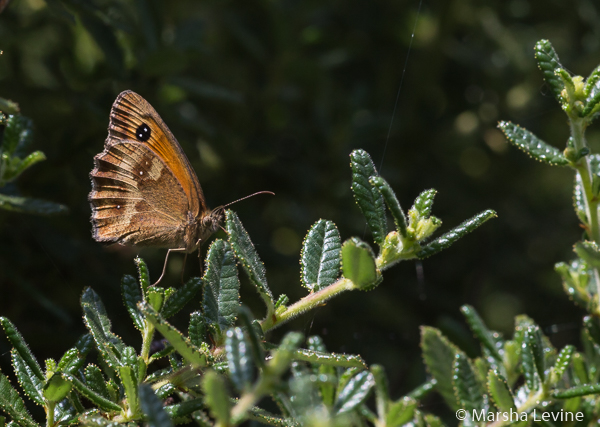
(165, 265)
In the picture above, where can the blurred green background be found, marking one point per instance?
(274, 95)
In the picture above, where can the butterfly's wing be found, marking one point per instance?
(144, 191)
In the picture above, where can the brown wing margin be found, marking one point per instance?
(128, 112)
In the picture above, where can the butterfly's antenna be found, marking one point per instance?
(244, 198)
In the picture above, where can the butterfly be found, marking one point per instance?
(144, 189)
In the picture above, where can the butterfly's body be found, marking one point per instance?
(144, 190)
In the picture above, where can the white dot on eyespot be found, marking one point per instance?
(141, 172)
(118, 206)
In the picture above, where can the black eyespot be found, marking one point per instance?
(143, 132)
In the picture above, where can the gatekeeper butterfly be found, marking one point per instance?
(144, 190)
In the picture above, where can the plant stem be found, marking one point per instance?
(147, 341)
(307, 303)
(50, 413)
(585, 172)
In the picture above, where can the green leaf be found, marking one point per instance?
(532, 145)
(320, 257)
(354, 392)
(97, 321)
(197, 329)
(382, 395)
(17, 136)
(130, 386)
(498, 389)
(548, 62)
(589, 252)
(530, 349)
(481, 331)
(439, 354)
(91, 395)
(217, 398)
(248, 257)
(31, 206)
(367, 197)
(283, 355)
(17, 341)
(181, 297)
(71, 361)
(181, 344)
(358, 264)
(239, 359)
(330, 359)
(392, 203)
(221, 286)
(424, 203)
(456, 233)
(12, 404)
(423, 390)
(131, 297)
(533, 340)
(95, 380)
(582, 390)
(155, 296)
(143, 275)
(152, 407)
(401, 412)
(255, 336)
(56, 388)
(185, 408)
(30, 383)
(562, 362)
(468, 389)
(17, 166)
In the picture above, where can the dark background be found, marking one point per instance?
(274, 95)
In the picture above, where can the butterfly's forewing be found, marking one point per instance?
(128, 115)
(144, 190)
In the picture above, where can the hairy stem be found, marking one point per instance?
(307, 303)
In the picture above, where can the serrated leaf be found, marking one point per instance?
(217, 398)
(152, 407)
(97, 321)
(330, 359)
(548, 62)
(181, 344)
(367, 197)
(95, 380)
(197, 329)
(31, 206)
(501, 394)
(155, 297)
(533, 340)
(321, 256)
(56, 388)
(392, 203)
(401, 412)
(21, 347)
(30, 383)
(455, 234)
(562, 362)
(354, 392)
(468, 389)
(71, 361)
(12, 404)
(143, 274)
(424, 203)
(248, 257)
(528, 354)
(532, 145)
(481, 331)
(91, 395)
(221, 298)
(181, 297)
(358, 264)
(239, 359)
(438, 354)
(131, 297)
